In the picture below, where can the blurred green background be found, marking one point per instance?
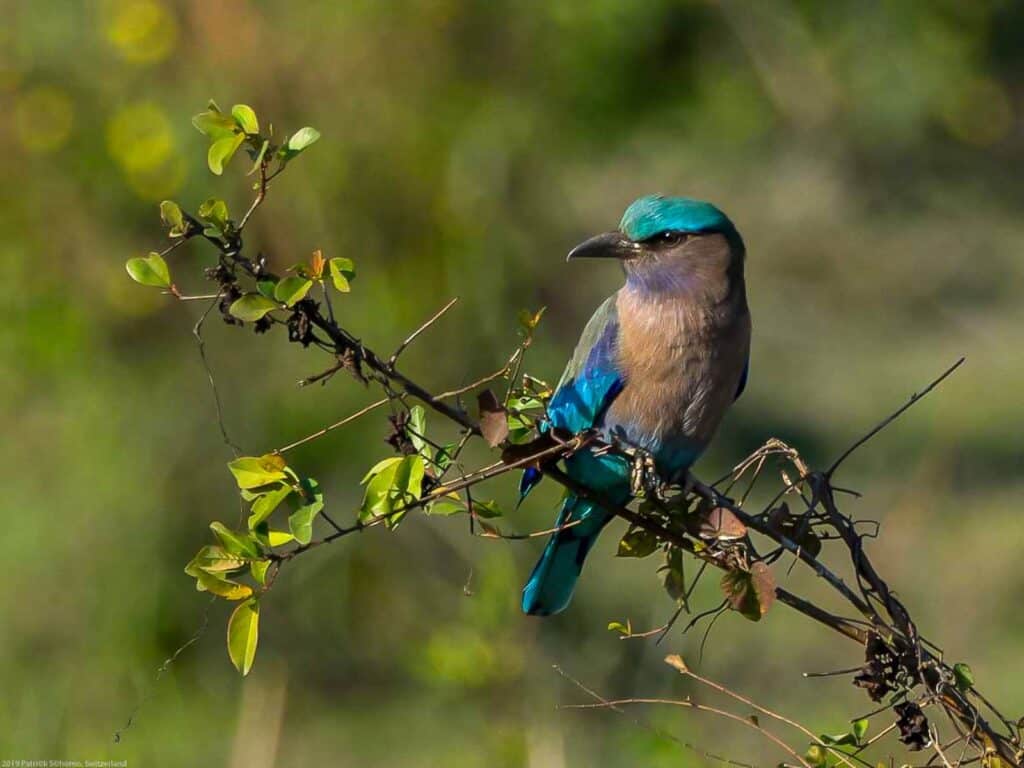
(869, 153)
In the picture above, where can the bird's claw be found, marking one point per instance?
(644, 477)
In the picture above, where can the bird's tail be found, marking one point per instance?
(551, 584)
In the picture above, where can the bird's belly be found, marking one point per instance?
(673, 401)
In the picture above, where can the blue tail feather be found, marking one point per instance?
(551, 584)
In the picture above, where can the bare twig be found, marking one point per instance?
(892, 417)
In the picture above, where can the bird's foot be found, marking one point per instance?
(644, 477)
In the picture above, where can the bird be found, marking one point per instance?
(655, 370)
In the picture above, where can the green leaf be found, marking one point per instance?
(391, 485)
(303, 138)
(254, 471)
(151, 270)
(637, 543)
(252, 307)
(222, 150)
(258, 568)
(266, 503)
(292, 290)
(243, 635)
(215, 212)
(213, 559)
(443, 456)
(279, 538)
(839, 740)
(417, 428)
(245, 117)
(379, 467)
(266, 286)
(269, 538)
(859, 729)
(222, 587)
(487, 509)
(343, 271)
(214, 124)
(236, 543)
(171, 215)
(618, 626)
(300, 522)
(256, 161)
(963, 676)
(446, 506)
(816, 756)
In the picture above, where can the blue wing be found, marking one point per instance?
(590, 383)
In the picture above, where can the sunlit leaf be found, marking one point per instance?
(487, 509)
(816, 756)
(214, 212)
(343, 271)
(222, 587)
(300, 522)
(637, 543)
(214, 124)
(222, 150)
(266, 503)
(417, 428)
(258, 159)
(269, 538)
(391, 485)
(171, 215)
(234, 542)
(292, 290)
(214, 559)
(252, 306)
(254, 471)
(859, 729)
(258, 568)
(150, 270)
(446, 506)
(243, 635)
(618, 626)
(838, 739)
(379, 467)
(302, 138)
(245, 117)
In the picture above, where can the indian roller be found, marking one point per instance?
(656, 368)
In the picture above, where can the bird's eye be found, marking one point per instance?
(670, 238)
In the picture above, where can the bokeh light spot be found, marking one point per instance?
(141, 141)
(141, 31)
(139, 137)
(43, 117)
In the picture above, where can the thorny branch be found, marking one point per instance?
(900, 665)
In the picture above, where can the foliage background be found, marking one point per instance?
(869, 153)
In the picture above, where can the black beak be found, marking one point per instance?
(610, 245)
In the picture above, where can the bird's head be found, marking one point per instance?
(671, 245)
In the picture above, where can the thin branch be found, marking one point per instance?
(412, 336)
(893, 416)
(347, 420)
